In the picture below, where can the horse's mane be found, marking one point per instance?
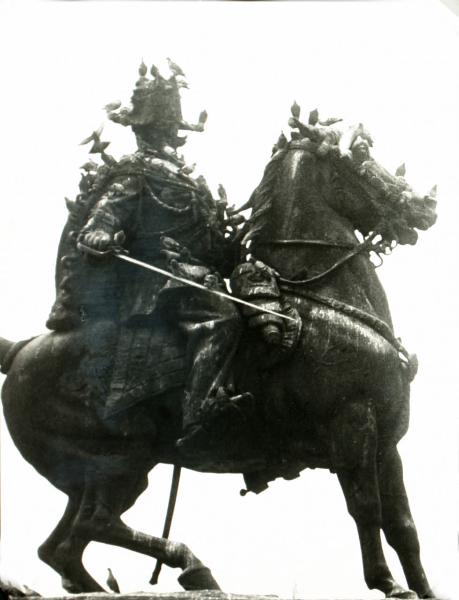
(261, 199)
(383, 192)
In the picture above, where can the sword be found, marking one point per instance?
(118, 253)
(169, 515)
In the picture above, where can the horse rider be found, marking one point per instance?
(150, 202)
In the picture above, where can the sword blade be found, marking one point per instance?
(199, 286)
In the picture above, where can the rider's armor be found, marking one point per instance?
(149, 202)
(256, 282)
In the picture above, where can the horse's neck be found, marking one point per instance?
(302, 202)
(301, 210)
(310, 219)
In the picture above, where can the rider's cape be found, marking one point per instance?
(155, 204)
(147, 198)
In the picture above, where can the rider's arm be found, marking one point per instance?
(112, 213)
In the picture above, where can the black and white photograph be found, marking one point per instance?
(229, 290)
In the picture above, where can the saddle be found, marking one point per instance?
(150, 359)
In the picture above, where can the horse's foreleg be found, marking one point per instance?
(99, 520)
(195, 575)
(363, 506)
(354, 442)
(398, 524)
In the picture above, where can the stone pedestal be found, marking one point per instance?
(196, 595)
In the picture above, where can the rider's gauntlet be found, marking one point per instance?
(257, 283)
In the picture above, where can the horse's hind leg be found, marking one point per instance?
(398, 524)
(63, 552)
(48, 550)
(75, 578)
(354, 443)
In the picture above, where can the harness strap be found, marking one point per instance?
(374, 322)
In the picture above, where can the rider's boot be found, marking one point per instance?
(207, 424)
(194, 433)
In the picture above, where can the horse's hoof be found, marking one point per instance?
(75, 587)
(198, 577)
(403, 594)
(70, 586)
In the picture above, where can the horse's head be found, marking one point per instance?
(373, 199)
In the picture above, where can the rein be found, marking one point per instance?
(291, 286)
(362, 247)
(301, 242)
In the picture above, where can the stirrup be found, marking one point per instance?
(222, 409)
(195, 439)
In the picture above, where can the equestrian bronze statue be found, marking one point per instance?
(185, 333)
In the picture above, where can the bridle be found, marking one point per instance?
(367, 245)
(296, 287)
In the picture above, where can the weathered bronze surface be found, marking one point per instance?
(141, 369)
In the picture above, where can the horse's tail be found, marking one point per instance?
(5, 347)
(8, 351)
(412, 367)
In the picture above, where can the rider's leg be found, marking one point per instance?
(212, 326)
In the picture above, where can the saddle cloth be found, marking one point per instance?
(151, 359)
(148, 361)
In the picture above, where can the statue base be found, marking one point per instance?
(186, 595)
(189, 595)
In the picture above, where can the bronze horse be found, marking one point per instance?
(339, 401)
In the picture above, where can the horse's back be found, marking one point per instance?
(53, 398)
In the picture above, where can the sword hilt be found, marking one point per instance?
(101, 253)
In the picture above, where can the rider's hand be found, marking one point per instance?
(98, 240)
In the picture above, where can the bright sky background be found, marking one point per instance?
(390, 65)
